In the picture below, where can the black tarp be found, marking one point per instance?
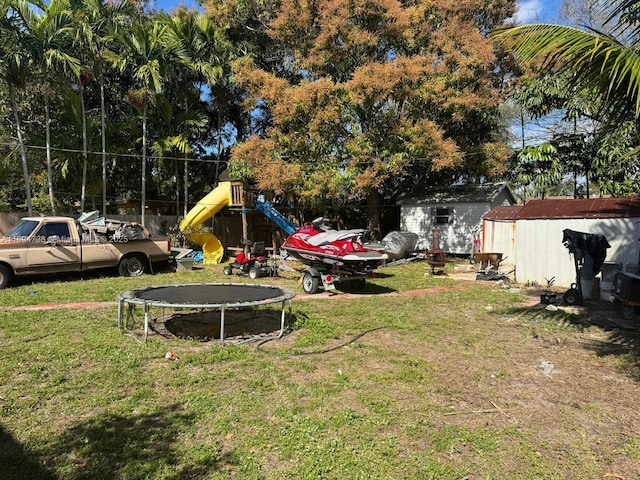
(589, 250)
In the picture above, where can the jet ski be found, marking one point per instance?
(320, 246)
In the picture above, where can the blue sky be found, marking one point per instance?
(529, 11)
(537, 11)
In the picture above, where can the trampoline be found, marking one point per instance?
(213, 296)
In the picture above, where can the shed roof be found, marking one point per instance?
(485, 192)
(580, 208)
(503, 212)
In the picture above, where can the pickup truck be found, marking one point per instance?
(37, 245)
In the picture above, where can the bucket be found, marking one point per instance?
(605, 291)
(609, 270)
(587, 288)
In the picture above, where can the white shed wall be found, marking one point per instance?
(456, 237)
(540, 253)
(500, 237)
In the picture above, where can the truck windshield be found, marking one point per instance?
(23, 229)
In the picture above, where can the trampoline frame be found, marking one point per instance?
(128, 298)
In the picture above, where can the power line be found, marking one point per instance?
(192, 159)
(130, 155)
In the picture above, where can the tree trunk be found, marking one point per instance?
(83, 195)
(219, 153)
(144, 162)
(186, 170)
(186, 186)
(176, 169)
(104, 148)
(47, 134)
(373, 211)
(23, 153)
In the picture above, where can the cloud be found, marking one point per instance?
(528, 11)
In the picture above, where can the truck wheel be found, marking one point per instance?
(133, 266)
(254, 273)
(6, 275)
(310, 283)
(228, 270)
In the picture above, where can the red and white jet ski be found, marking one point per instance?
(332, 255)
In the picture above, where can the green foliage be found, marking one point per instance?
(71, 44)
(540, 167)
(329, 103)
(600, 73)
(582, 150)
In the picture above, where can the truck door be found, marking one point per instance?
(54, 248)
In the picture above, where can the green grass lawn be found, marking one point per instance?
(443, 385)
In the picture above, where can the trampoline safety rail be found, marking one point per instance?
(212, 296)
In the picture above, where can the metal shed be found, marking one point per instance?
(499, 234)
(456, 211)
(536, 238)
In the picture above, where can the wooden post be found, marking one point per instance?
(245, 226)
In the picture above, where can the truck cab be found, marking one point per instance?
(47, 245)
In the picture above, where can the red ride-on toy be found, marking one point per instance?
(256, 264)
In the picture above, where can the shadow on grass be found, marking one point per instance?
(135, 447)
(239, 324)
(64, 277)
(623, 336)
(379, 274)
(368, 289)
(18, 463)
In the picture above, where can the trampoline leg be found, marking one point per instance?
(222, 325)
(146, 321)
(120, 314)
(282, 317)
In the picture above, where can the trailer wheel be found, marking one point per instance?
(310, 283)
(6, 275)
(132, 266)
(572, 297)
(254, 273)
(228, 270)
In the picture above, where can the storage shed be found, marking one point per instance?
(499, 234)
(456, 211)
(532, 234)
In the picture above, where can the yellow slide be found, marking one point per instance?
(206, 208)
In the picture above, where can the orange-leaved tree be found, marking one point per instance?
(371, 97)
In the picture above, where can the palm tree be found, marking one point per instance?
(596, 60)
(147, 49)
(175, 130)
(96, 22)
(205, 50)
(16, 64)
(52, 56)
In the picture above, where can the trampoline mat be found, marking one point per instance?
(209, 294)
